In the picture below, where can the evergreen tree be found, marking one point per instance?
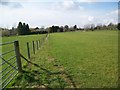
(23, 29)
(28, 30)
(75, 27)
(61, 29)
(20, 28)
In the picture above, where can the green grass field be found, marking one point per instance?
(23, 50)
(92, 57)
(73, 60)
(22, 44)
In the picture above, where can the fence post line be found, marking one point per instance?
(33, 47)
(37, 44)
(28, 50)
(17, 52)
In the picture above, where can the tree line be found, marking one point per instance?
(23, 29)
(86, 27)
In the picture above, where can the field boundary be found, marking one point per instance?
(4, 78)
(17, 56)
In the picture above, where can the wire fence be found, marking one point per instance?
(8, 67)
(36, 45)
(12, 65)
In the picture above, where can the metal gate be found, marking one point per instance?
(10, 63)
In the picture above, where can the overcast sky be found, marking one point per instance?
(39, 13)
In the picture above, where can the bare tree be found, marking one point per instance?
(87, 27)
(92, 27)
(66, 28)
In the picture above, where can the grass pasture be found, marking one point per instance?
(91, 57)
(23, 39)
(73, 60)
(23, 50)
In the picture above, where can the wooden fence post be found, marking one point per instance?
(28, 50)
(37, 44)
(17, 52)
(33, 47)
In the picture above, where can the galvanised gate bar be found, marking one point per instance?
(10, 66)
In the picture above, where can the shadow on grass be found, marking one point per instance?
(43, 78)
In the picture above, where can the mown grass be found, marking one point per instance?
(74, 60)
(22, 44)
(43, 72)
(23, 50)
(92, 57)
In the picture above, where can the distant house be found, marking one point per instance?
(7, 32)
(12, 32)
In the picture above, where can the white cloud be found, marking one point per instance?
(58, 13)
(7, 3)
(68, 5)
(111, 17)
(90, 18)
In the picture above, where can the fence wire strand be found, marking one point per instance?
(7, 79)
